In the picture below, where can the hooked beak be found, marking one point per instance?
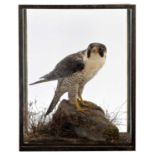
(96, 50)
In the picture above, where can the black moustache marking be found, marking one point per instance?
(88, 53)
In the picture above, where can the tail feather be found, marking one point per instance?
(37, 82)
(51, 107)
(54, 102)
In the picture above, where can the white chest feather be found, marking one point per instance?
(93, 65)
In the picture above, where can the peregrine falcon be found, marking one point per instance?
(73, 72)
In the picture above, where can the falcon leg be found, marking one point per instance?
(80, 100)
(78, 106)
(73, 98)
(84, 103)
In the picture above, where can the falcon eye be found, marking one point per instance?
(101, 51)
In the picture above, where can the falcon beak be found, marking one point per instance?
(96, 50)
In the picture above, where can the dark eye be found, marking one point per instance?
(100, 49)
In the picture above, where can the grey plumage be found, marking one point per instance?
(74, 71)
(69, 65)
(66, 67)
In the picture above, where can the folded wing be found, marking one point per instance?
(66, 67)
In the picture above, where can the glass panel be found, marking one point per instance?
(53, 34)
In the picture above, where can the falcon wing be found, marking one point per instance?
(66, 67)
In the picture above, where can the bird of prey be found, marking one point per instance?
(73, 72)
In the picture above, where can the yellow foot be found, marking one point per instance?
(80, 100)
(85, 103)
(78, 107)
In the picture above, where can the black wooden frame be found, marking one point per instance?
(131, 20)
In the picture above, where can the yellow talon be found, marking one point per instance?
(78, 107)
(85, 103)
(82, 102)
(80, 97)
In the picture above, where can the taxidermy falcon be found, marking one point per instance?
(73, 72)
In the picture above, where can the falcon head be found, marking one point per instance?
(96, 49)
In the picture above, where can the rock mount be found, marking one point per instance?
(91, 124)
